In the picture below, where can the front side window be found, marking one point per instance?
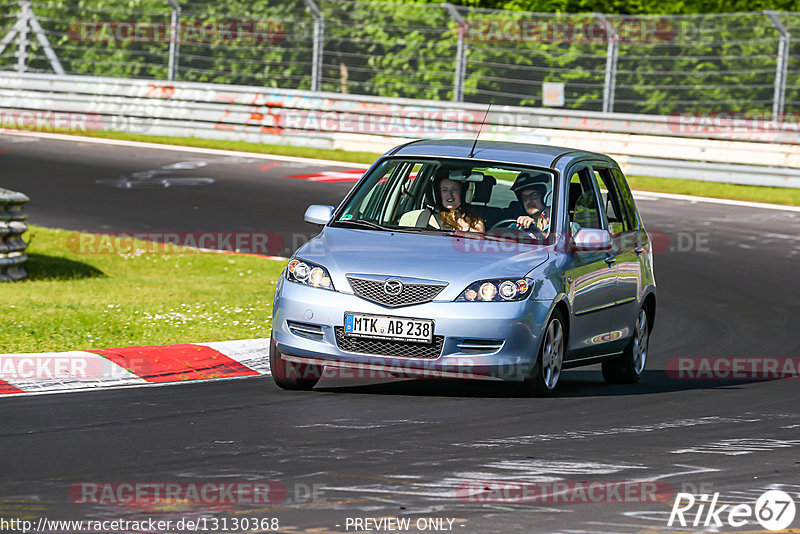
(445, 196)
(582, 207)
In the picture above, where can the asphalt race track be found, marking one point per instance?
(728, 287)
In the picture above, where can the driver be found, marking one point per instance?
(531, 209)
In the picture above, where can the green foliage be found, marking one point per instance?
(699, 63)
(628, 7)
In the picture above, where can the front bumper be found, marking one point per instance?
(481, 340)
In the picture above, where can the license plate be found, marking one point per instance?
(386, 327)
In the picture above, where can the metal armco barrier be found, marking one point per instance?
(765, 154)
(12, 246)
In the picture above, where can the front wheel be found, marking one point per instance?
(628, 368)
(291, 375)
(550, 360)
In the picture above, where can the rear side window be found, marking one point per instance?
(609, 200)
(626, 197)
(619, 220)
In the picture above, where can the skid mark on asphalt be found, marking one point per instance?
(161, 177)
(738, 447)
(585, 434)
(525, 469)
(164, 176)
(350, 424)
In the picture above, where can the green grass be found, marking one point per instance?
(773, 195)
(753, 193)
(81, 301)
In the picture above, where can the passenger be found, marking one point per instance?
(531, 210)
(454, 212)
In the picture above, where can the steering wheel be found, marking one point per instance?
(532, 230)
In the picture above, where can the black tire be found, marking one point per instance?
(291, 375)
(628, 368)
(550, 361)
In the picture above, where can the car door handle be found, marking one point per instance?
(638, 249)
(610, 258)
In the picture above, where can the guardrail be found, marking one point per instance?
(12, 246)
(726, 149)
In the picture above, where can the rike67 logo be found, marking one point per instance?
(774, 510)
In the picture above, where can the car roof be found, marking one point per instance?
(501, 151)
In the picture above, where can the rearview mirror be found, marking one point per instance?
(592, 239)
(319, 214)
(462, 176)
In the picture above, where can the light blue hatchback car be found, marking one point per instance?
(450, 259)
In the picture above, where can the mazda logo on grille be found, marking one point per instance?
(393, 287)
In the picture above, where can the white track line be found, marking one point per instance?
(643, 195)
(325, 162)
(176, 148)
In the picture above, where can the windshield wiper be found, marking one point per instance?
(364, 224)
(360, 223)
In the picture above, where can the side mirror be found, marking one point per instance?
(592, 239)
(318, 214)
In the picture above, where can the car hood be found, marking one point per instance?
(457, 260)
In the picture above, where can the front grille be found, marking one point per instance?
(372, 290)
(381, 347)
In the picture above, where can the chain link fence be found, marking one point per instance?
(738, 63)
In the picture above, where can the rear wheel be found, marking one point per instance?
(292, 375)
(628, 368)
(550, 361)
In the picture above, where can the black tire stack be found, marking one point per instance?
(12, 246)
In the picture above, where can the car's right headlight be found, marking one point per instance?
(499, 290)
(310, 274)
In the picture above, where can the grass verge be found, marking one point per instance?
(752, 193)
(140, 296)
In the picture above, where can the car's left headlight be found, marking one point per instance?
(499, 290)
(310, 274)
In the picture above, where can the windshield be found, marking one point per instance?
(471, 198)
